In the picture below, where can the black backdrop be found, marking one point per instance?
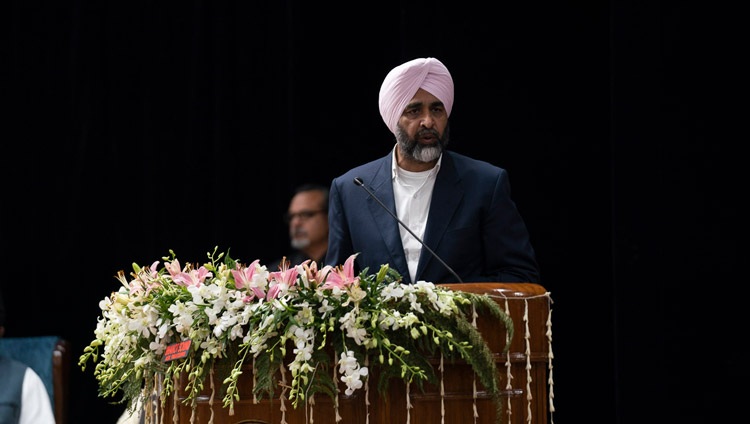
(133, 128)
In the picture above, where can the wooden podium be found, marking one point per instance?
(524, 373)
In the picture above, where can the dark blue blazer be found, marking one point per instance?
(473, 225)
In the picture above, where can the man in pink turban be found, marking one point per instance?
(403, 81)
(456, 221)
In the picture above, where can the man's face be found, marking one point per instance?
(423, 128)
(308, 221)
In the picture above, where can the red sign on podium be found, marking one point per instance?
(177, 350)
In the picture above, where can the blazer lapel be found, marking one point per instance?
(446, 197)
(382, 187)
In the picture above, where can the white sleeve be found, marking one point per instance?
(135, 417)
(36, 407)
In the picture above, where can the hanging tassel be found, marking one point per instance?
(508, 368)
(312, 409)
(255, 382)
(474, 395)
(282, 396)
(175, 414)
(336, 399)
(527, 339)
(408, 403)
(550, 380)
(474, 316)
(213, 392)
(442, 389)
(367, 391)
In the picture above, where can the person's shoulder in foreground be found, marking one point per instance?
(23, 396)
(461, 207)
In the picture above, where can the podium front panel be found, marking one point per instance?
(523, 373)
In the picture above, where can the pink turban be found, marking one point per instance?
(402, 83)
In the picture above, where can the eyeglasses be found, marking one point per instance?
(303, 215)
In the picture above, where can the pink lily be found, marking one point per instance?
(147, 278)
(286, 277)
(173, 267)
(192, 278)
(311, 271)
(341, 276)
(243, 278)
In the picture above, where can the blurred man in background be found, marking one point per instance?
(307, 218)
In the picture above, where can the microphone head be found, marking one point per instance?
(358, 181)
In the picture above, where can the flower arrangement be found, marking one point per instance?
(299, 317)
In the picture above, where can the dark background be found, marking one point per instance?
(132, 128)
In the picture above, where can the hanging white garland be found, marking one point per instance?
(508, 371)
(527, 354)
(474, 316)
(367, 393)
(550, 380)
(442, 389)
(527, 341)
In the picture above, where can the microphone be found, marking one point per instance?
(358, 181)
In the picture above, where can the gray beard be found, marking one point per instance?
(300, 243)
(411, 149)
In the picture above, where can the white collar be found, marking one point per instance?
(395, 168)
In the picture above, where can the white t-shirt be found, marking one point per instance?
(36, 407)
(412, 192)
